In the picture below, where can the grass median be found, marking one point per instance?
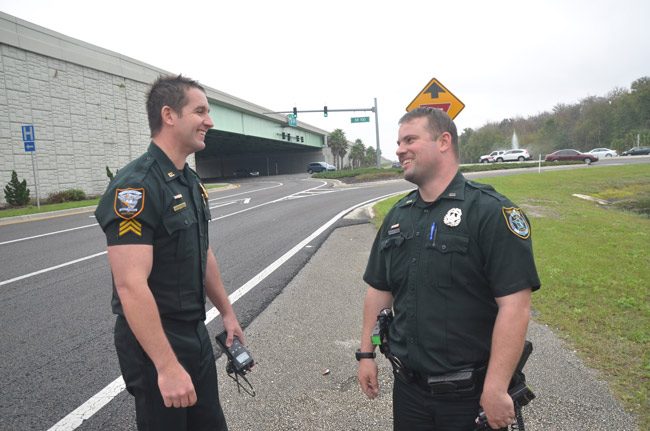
(594, 263)
(45, 207)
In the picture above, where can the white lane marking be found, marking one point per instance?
(90, 407)
(236, 201)
(51, 268)
(247, 192)
(74, 419)
(47, 234)
(245, 201)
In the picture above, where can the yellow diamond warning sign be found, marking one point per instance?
(435, 95)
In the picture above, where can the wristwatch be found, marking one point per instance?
(364, 355)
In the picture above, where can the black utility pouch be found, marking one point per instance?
(462, 383)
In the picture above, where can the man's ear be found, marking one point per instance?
(445, 142)
(168, 115)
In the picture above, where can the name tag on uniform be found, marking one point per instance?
(394, 229)
(179, 206)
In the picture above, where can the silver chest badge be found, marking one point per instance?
(453, 216)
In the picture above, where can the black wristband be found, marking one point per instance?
(364, 355)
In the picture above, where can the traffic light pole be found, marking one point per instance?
(377, 134)
(325, 111)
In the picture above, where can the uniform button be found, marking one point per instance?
(186, 222)
(411, 340)
(444, 247)
(413, 260)
(417, 233)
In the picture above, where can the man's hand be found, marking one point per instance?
(233, 329)
(176, 387)
(499, 409)
(367, 376)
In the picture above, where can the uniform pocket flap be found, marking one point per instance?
(451, 243)
(178, 221)
(392, 242)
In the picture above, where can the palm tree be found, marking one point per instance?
(338, 144)
(357, 153)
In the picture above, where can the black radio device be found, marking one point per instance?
(239, 362)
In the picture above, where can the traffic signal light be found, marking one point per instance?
(295, 111)
(289, 136)
(284, 135)
(325, 110)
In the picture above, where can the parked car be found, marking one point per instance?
(243, 173)
(490, 158)
(319, 167)
(513, 155)
(636, 151)
(396, 165)
(567, 155)
(603, 152)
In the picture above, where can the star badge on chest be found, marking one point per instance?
(453, 217)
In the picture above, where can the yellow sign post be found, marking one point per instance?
(435, 95)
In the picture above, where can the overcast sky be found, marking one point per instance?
(503, 59)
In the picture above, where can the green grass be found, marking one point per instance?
(33, 209)
(594, 264)
(373, 174)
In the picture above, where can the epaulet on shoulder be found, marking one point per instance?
(196, 174)
(487, 189)
(136, 170)
(407, 200)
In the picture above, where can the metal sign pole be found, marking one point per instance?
(35, 169)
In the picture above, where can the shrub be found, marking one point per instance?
(66, 196)
(16, 192)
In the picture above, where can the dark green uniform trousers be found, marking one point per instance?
(191, 343)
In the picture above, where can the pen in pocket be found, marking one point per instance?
(433, 231)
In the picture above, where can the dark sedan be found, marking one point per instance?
(569, 155)
(636, 151)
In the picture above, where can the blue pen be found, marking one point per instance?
(433, 230)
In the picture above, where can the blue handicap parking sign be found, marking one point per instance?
(28, 133)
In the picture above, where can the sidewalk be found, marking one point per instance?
(305, 377)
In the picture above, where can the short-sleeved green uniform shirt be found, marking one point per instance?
(151, 202)
(444, 263)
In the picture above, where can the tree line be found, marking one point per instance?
(360, 155)
(619, 121)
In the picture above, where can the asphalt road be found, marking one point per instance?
(56, 333)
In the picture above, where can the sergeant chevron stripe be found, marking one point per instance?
(130, 226)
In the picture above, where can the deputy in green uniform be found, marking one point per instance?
(155, 215)
(454, 259)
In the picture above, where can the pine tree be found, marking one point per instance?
(16, 192)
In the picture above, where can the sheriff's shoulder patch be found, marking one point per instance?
(516, 222)
(128, 202)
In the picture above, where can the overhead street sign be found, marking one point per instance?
(435, 95)
(292, 120)
(360, 119)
